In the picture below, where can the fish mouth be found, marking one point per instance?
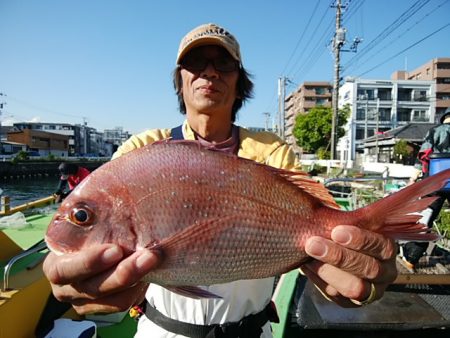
(52, 248)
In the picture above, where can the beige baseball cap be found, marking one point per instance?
(209, 34)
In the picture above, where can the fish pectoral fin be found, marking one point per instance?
(191, 292)
(200, 232)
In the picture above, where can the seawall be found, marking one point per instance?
(10, 170)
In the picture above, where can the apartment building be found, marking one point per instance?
(307, 96)
(381, 105)
(82, 139)
(437, 70)
(41, 142)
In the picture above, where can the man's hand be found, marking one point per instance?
(99, 279)
(346, 267)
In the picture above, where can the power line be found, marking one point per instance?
(386, 32)
(34, 106)
(399, 36)
(316, 29)
(404, 50)
(302, 35)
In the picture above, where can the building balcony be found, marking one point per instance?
(442, 73)
(443, 87)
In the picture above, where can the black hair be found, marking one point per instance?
(244, 90)
(68, 168)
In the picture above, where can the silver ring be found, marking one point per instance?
(370, 299)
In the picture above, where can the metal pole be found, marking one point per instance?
(281, 98)
(367, 111)
(337, 54)
(376, 130)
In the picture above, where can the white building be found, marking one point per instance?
(379, 105)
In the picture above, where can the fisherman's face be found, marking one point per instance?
(210, 90)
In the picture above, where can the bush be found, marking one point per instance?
(443, 223)
(21, 156)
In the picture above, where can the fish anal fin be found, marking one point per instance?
(191, 291)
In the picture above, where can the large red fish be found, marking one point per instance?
(215, 217)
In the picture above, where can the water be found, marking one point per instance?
(27, 190)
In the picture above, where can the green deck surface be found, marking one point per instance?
(32, 233)
(283, 301)
(125, 329)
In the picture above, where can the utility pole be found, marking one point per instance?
(281, 98)
(2, 104)
(365, 114)
(339, 40)
(266, 126)
(84, 135)
(376, 129)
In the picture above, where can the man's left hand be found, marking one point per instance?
(352, 267)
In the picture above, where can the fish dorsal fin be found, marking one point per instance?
(307, 184)
(299, 178)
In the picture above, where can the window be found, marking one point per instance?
(385, 114)
(384, 94)
(359, 133)
(361, 114)
(443, 65)
(404, 94)
(369, 92)
(420, 116)
(404, 115)
(320, 91)
(420, 95)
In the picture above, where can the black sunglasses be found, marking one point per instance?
(195, 63)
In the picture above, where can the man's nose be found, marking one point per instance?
(210, 70)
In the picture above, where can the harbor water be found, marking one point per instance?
(28, 189)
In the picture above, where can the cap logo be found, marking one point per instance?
(214, 31)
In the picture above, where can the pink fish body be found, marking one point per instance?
(215, 217)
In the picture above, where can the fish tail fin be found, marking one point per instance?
(397, 216)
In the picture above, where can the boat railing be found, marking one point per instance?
(356, 197)
(40, 246)
(6, 208)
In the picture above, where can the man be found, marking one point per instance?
(436, 141)
(71, 175)
(211, 83)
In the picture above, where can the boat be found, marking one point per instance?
(27, 306)
(28, 309)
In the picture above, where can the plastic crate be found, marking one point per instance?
(439, 162)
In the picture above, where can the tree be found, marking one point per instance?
(403, 153)
(313, 129)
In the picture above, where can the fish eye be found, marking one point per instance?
(82, 216)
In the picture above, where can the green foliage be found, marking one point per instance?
(401, 152)
(21, 156)
(51, 157)
(443, 223)
(313, 129)
(323, 153)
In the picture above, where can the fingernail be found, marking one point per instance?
(111, 255)
(341, 236)
(145, 260)
(316, 249)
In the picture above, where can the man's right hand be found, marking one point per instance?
(99, 278)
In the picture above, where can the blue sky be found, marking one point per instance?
(110, 61)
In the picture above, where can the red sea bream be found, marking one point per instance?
(216, 218)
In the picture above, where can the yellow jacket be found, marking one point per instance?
(262, 147)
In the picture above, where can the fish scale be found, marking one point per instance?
(217, 218)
